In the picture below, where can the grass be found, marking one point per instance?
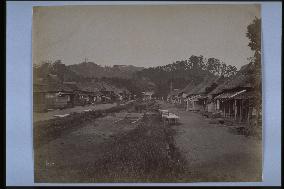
(144, 154)
(139, 156)
(45, 131)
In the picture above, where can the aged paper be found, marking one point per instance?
(147, 93)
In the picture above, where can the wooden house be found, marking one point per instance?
(147, 95)
(236, 97)
(51, 96)
(196, 98)
(173, 96)
(184, 93)
(88, 93)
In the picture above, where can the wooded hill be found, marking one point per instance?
(137, 79)
(178, 74)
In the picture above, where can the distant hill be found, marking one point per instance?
(136, 79)
(184, 72)
(90, 69)
(120, 76)
(54, 72)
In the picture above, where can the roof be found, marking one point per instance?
(245, 95)
(87, 87)
(189, 87)
(174, 92)
(51, 87)
(203, 87)
(225, 95)
(241, 94)
(196, 97)
(71, 85)
(244, 78)
(148, 93)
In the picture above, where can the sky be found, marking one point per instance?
(142, 35)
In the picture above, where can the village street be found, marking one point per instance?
(124, 145)
(213, 152)
(50, 115)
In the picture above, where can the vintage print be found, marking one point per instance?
(147, 93)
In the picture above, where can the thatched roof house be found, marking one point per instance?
(188, 88)
(51, 87)
(243, 79)
(207, 85)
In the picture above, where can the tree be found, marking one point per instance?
(254, 35)
(230, 70)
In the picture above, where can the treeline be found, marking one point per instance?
(199, 64)
(181, 72)
(159, 79)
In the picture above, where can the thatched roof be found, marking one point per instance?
(71, 85)
(175, 92)
(189, 87)
(203, 87)
(244, 78)
(88, 87)
(51, 87)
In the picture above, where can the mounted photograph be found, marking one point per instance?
(147, 93)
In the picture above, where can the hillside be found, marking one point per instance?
(90, 69)
(86, 74)
(180, 73)
(159, 79)
(55, 72)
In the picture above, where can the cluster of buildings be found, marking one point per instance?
(234, 98)
(54, 95)
(147, 95)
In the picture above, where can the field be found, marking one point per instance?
(108, 146)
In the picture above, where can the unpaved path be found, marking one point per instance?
(213, 153)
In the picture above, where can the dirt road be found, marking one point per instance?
(118, 148)
(213, 153)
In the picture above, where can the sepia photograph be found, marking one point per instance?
(147, 93)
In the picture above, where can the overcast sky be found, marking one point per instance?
(142, 35)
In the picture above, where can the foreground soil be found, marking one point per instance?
(214, 153)
(112, 149)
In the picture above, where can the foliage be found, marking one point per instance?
(157, 79)
(181, 72)
(254, 35)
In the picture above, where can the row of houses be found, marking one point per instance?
(54, 95)
(234, 98)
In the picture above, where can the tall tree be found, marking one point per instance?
(254, 35)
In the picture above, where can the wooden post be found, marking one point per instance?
(241, 110)
(229, 108)
(224, 108)
(235, 109)
(248, 112)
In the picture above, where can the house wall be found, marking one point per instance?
(210, 107)
(54, 101)
(236, 109)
